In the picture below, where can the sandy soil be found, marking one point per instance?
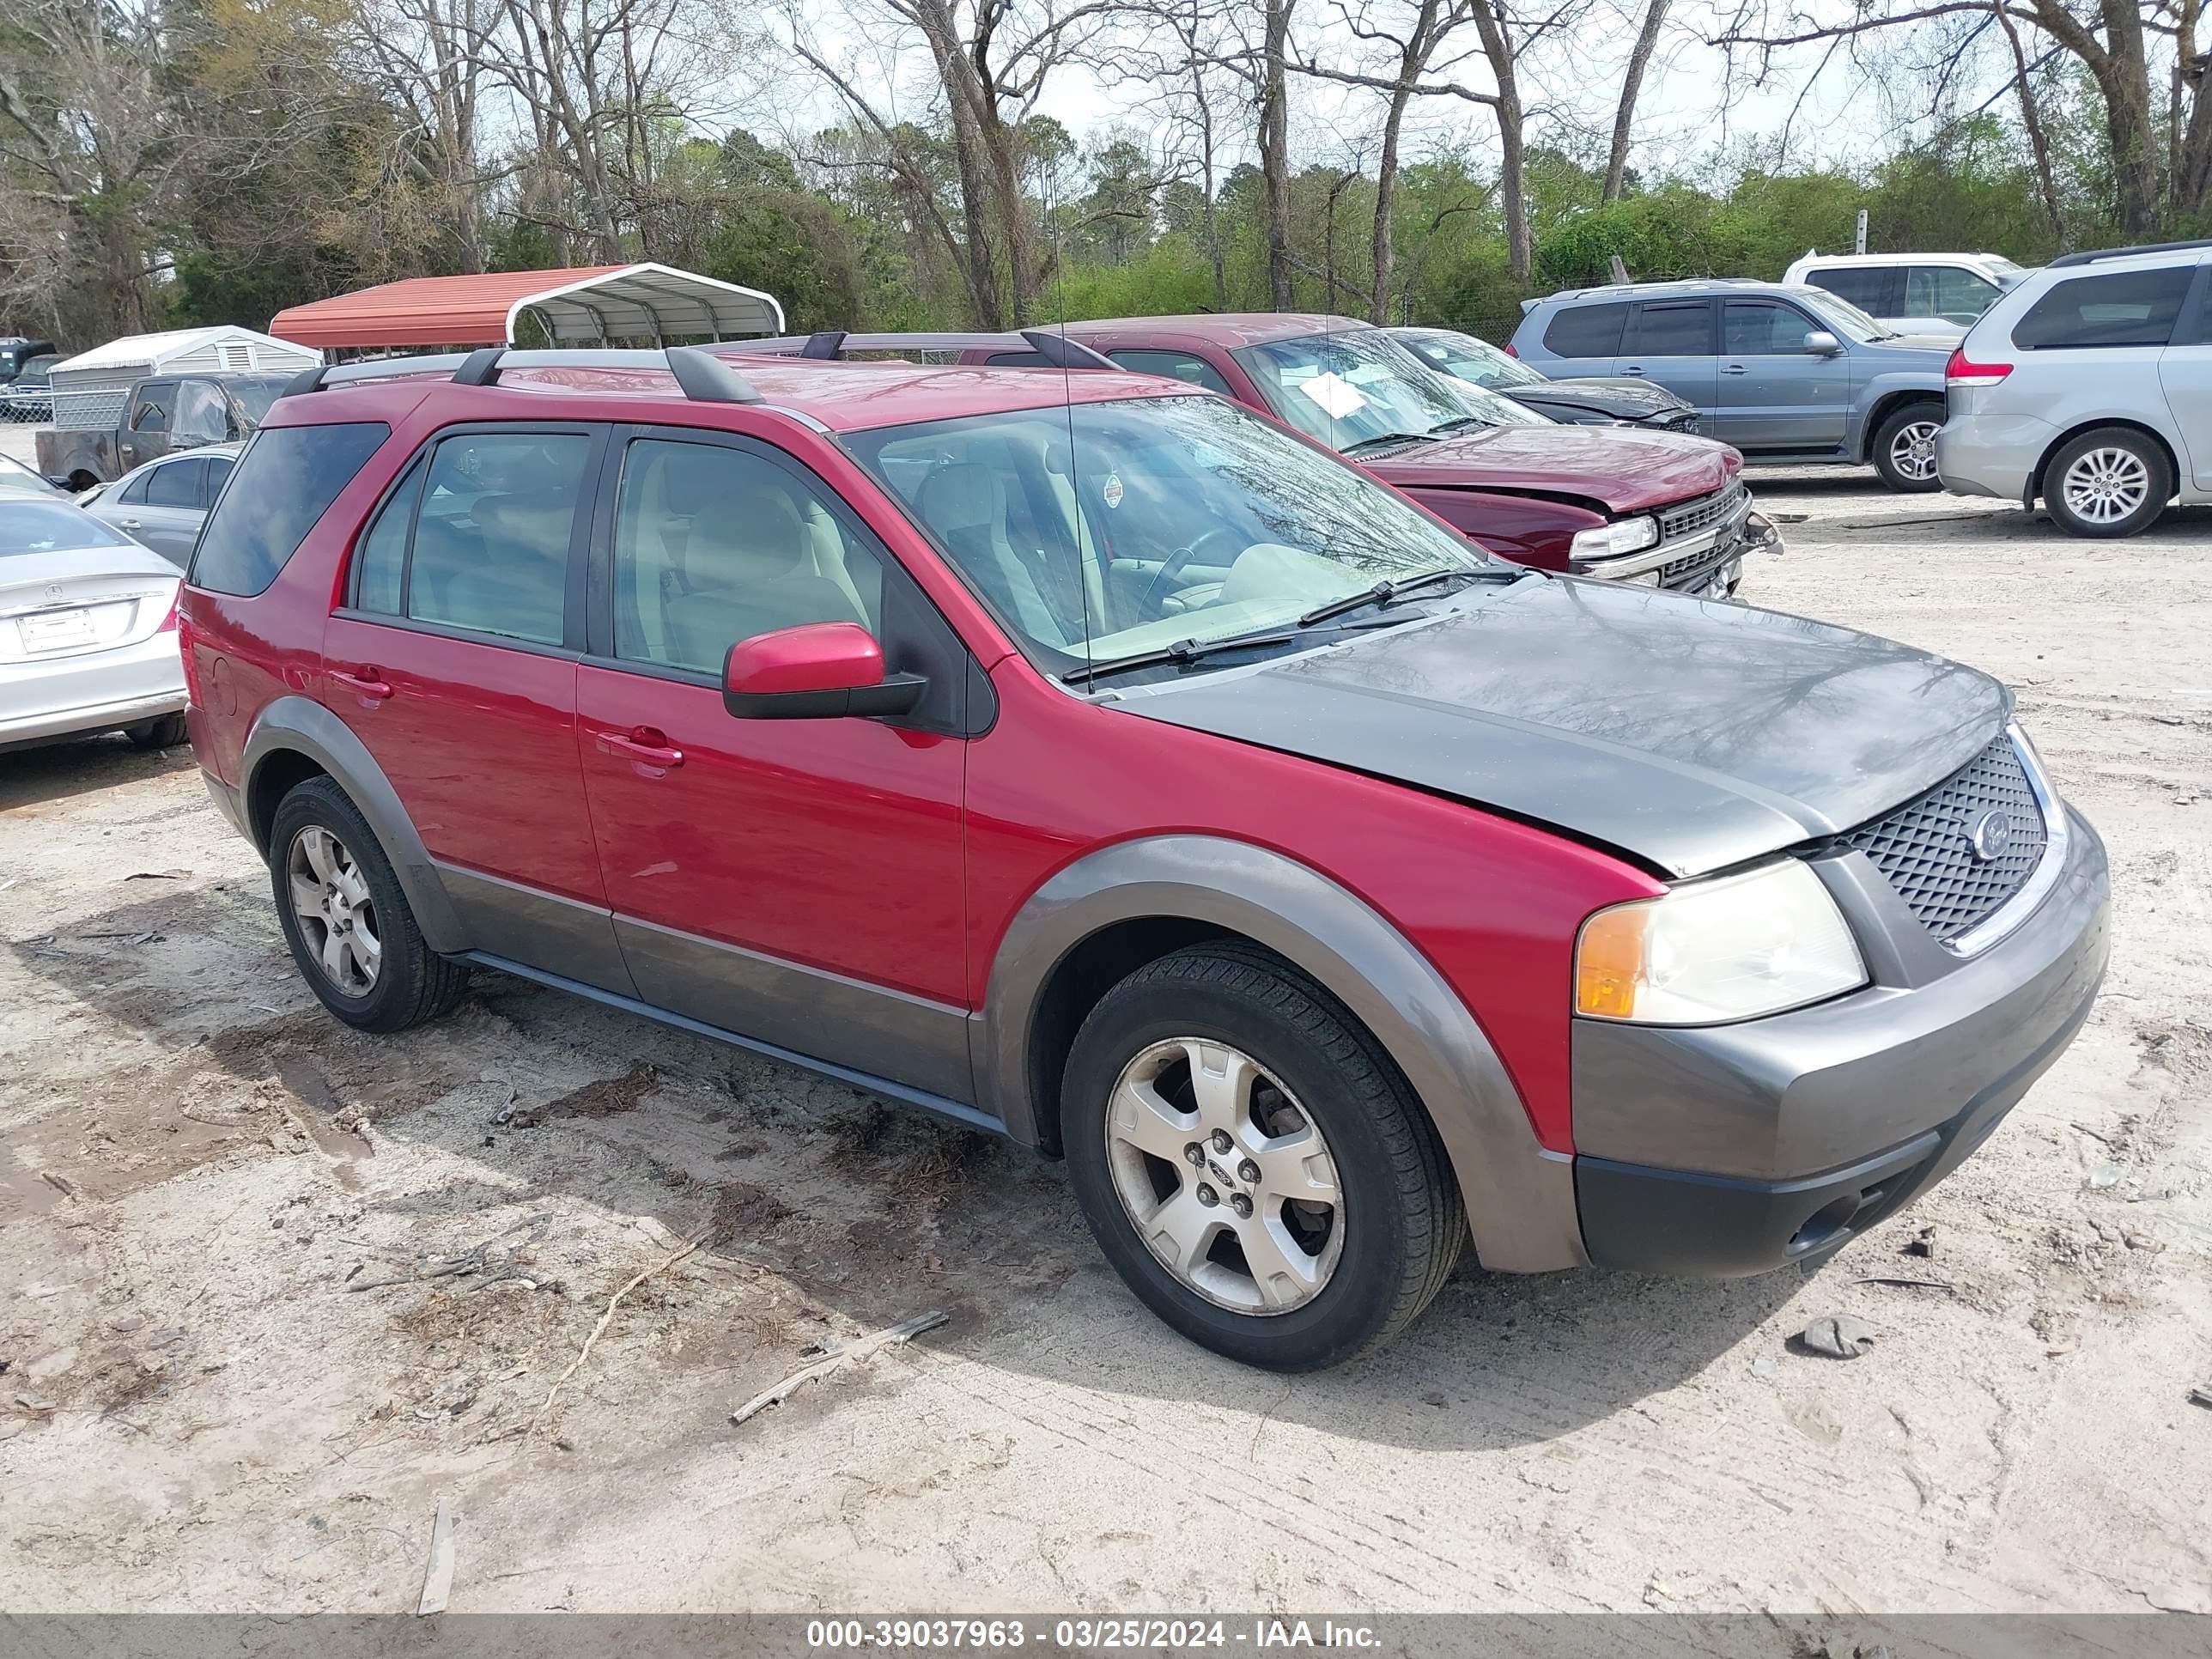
(268, 1290)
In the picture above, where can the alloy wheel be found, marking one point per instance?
(1912, 450)
(1225, 1175)
(336, 915)
(2106, 485)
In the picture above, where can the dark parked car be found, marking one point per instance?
(1587, 401)
(1097, 763)
(26, 389)
(1653, 508)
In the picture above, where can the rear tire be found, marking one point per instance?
(351, 931)
(164, 733)
(2110, 482)
(1223, 1043)
(1904, 447)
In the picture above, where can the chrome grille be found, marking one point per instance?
(1925, 849)
(1691, 518)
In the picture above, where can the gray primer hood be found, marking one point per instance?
(1693, 735)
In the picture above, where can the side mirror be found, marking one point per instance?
(817, 671)
(1821, 343)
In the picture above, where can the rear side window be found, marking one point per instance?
(176, 484)
(381, 554)
(491, 539)
(1672, 329)
(1870, 288)
(1586, 332)
(287, 479)
(218, 469)
(2123, 308)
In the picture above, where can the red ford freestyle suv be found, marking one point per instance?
(1098, 765)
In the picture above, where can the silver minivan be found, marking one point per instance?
(2089, 386)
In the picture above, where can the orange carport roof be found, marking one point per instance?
(580, 305)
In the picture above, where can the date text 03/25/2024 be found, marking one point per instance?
(1259, 1635)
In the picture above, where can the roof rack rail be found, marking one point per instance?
(705, 377)
(834, 345)
(2098, 255)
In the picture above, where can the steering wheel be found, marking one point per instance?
(1178, 561)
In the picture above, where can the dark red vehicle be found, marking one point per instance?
(1665, 509)
(1100, 765)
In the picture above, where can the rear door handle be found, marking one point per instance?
(1633, 369)
(363, 681)
(130, 523)
(1734, 368)
(645, 745)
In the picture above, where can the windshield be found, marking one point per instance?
(1096, 530)
(257, 392)
(1352, 388)
(48, 526)
(1473, 360)
(1841, 315)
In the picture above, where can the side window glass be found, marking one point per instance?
(491, 541)
(134, 493)
(381, 553)
(153, 415)
(1753, 328)
(218, 469)
(176, 484)
(1586, 330)
(1184, 366)
(1672, 329)
(201, 413)
(714, 544)
(1864, 286)
(2124, 308)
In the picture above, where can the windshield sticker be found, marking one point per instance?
(1111, 492)
(1336, 397)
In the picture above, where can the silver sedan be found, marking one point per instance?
(164, 502)
(87, 630)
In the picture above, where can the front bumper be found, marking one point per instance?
(1732, 1149)
(1709, 565)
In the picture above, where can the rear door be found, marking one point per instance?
(2184, 373)
(454, 659)
(164, 506)
(1776, 396)
(1673, 342)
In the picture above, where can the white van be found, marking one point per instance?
(1923, 294)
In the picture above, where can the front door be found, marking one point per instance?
(1671, 342)
(1776, 396)
(795, 881)
(454, 661)
(162, 507)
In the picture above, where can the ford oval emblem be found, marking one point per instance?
(1990, 834)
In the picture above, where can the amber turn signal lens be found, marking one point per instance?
(1609, 967)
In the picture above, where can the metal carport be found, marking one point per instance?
(584, 306)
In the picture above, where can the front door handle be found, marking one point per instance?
(362, 682)
(1734, 368)
(130, 523)
(1633, 370)
(647, 744)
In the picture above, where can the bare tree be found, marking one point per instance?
(428, 56)
(2109, 38)
(1632, 85)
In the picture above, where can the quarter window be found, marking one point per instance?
(492, 534)
(288, 478)
(1586, 332)
(715, 544)
(2122, 309)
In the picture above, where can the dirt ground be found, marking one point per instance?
(269, 1289)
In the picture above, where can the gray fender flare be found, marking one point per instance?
(304, 727)
(1520, 1197)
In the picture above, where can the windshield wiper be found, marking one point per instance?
(1461, 422)
(1384, 593)
(1181, 652)
(1387, 437)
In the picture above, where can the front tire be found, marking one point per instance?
(352, 934)
(1904, 447)
(1251, 1163)
(2110, 482)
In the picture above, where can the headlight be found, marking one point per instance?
(1716, 951)
(1610, 541)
